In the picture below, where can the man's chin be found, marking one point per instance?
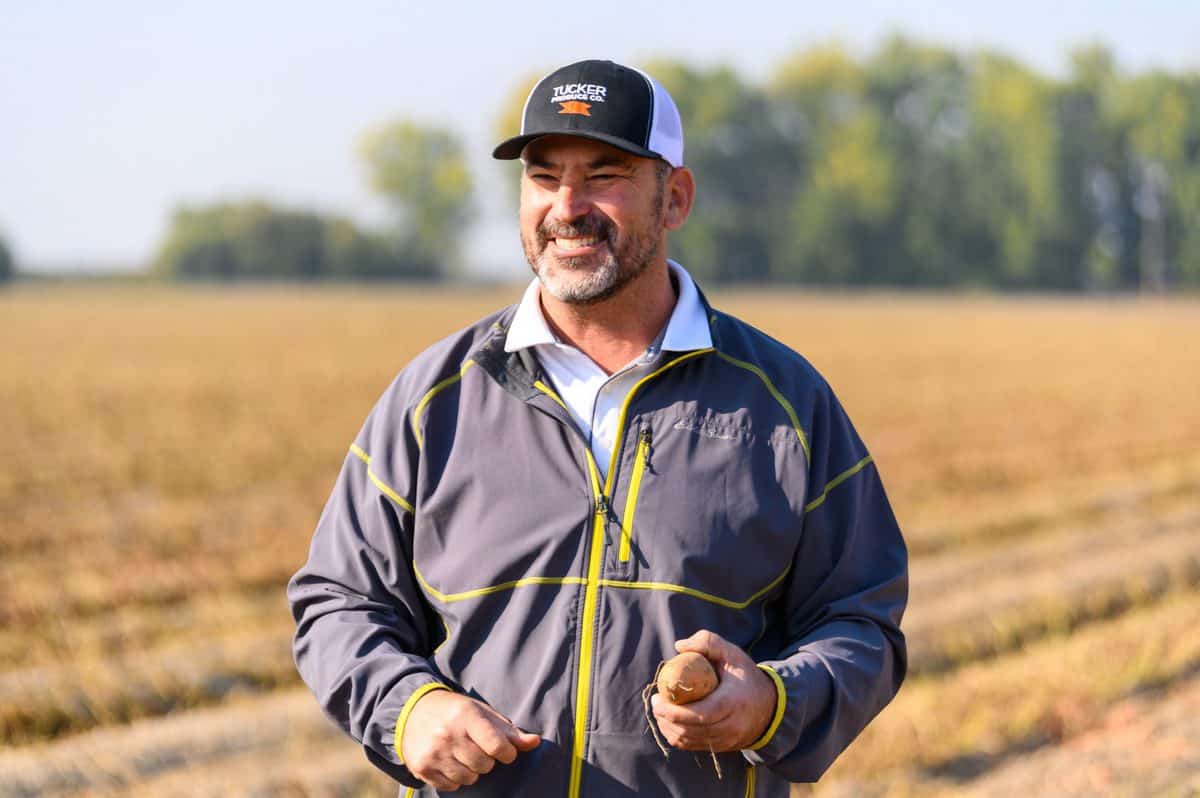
(578, 289)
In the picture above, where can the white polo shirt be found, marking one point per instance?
(592, 397)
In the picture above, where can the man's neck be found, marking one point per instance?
(619, 329)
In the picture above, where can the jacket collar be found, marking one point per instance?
(516, 371)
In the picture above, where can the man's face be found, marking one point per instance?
(591, 216)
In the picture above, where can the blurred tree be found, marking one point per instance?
(745, 158)
(508, 124)
(1012, 166)
(6, 263)
(922, 93)
(1162, 114)
(919, 165)
(1090, 245)
(254, 239)
(423, 173)
(844, 191)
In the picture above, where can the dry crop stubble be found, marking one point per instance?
(167, 453)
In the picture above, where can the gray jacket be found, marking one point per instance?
(470, 541)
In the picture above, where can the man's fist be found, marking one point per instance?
(451, 740)
(731, 718)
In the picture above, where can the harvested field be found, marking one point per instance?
(167, 453)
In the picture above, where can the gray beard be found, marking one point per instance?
(576, 287)
(570, 283)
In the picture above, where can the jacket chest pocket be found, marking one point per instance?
(706, 509)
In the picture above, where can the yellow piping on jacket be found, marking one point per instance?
(428, 397)
(450, 598)
(783, 402)
(838, 480)
(689, 591)
(384, 488)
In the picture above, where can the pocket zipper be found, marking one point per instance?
(641, 459)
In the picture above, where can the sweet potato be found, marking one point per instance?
(686, 677)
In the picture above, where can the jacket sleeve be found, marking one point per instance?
(845, 657)
(363, 629)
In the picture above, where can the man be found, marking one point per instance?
(544, 506)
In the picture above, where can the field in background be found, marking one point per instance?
(165, 455)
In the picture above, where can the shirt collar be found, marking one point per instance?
(687, 329)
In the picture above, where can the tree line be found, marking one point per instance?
(922, 166)
(915, 165)
(421, 171)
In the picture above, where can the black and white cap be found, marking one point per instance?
(604, 101)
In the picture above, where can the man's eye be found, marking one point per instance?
(603, 176)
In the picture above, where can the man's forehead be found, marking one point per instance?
(563, 150)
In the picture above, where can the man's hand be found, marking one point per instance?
(451, 740)
(731, 718)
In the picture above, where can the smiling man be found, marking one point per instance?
(544, 506)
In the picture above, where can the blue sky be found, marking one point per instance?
(113, 113)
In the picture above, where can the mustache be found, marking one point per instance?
(584, 228)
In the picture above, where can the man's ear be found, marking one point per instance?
(681, 193)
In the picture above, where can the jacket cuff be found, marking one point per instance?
(804, 688)
(402, 718)
(780, 706)
(382, 743)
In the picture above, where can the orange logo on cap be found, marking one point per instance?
(575, 107)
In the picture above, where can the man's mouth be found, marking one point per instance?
(570, 244)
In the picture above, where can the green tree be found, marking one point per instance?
(1011, 152)
(1091, 245)
(254, 239)
(920, 94)
(6, 263)
(844, 190)
(1162, 115)
(919, 165)
(744, 161)
(423, 174)
(508, 124)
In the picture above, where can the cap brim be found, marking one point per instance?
(510, 149)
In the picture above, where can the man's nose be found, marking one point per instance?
(570, 203)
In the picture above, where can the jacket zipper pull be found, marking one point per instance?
(645, 438)
(602, 505)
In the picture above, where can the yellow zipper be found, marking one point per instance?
(591, 594)
(750, 779)
(583, 683)
(640, 460)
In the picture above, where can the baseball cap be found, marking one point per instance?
(604, 101)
